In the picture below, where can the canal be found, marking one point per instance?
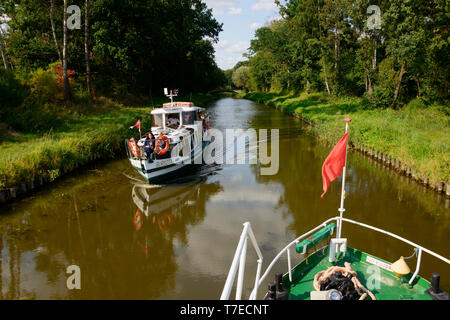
(132, 240)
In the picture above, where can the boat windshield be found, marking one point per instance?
(188, 117)
(173, 120)
(157, 120)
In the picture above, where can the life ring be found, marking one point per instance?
(158, 149)
(164, 224)
(133, 146)
(138, 220)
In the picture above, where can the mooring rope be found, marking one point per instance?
(321, 276)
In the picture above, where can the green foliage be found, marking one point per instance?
(326, 45)
(138, 46)
(381, 98)
(43, 85)
(12, 92)
(241, 77)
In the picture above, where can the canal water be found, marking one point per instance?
(132, 240)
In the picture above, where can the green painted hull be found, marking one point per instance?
(390, 286)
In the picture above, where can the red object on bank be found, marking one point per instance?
(334, 163)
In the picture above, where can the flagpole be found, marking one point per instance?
(342, 209)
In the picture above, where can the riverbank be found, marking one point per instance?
(415, 136)
(28, 161)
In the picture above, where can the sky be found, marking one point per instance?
(240, 19)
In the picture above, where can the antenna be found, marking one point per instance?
(173, 93)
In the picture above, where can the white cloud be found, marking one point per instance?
(239, 47)
(264, 5)
(221, 44)
(3, 22)
(229, 53)
(255, 25)
(275, 17)
(235, 11)
(222, 6)
(4, 18)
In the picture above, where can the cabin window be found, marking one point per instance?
(188, 118)
(157, 120)
(197, 116)
(173, 120)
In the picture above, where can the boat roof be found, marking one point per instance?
(176, 107)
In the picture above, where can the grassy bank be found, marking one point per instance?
(98, 132)
(417, 135)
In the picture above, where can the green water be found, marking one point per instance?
(177, 241)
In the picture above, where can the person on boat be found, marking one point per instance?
(204, 125)
(187, 118)
(149, 145)
(173, 120)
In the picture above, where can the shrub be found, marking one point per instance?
(43, 85)
(381, 98)
(12, 94)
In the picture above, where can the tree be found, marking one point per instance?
(55, 38)
(5, 61)
(132, 47)
(241, 77)
(87, 51)
(404, 24)
(67, 93)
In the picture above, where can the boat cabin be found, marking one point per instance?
(175, 115)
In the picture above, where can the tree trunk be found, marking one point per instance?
(418, 86)
(5, 61)
(67, 95)
(337, 63)
(397, 89)
(336, 51)
(326, 84)
(374, 62)
(370, 89)
(58, 48)
(86, 50)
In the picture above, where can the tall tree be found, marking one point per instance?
(2, 50)
(404, 24)
(67, 93)
(87, 51)
(55, 38)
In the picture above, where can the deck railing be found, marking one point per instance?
(241, 252)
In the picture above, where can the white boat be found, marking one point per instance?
(179, 128)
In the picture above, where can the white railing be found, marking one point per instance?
(241, 252)
(416, 246)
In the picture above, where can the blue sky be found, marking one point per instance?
(240, 19)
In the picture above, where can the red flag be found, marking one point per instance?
(334, 163)
(138, 124)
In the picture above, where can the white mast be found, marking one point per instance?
(172, 94)
(342, 209)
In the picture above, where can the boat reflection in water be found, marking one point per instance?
(168, 210)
